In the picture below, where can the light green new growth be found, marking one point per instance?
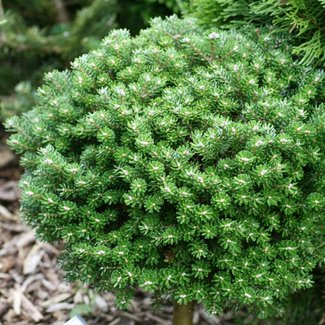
(186, 162)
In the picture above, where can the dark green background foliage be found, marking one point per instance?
(187, 162)
(304, 20)
(36, 37)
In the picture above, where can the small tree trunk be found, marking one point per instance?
(183, 314)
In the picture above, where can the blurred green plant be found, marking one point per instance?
(303, 20)
(38, 36)
(89, 301)
(23, 98)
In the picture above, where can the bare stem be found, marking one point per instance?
(183, 314)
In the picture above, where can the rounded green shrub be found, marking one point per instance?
(185, 162)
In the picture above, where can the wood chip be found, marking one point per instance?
(196, 317)
(3, 308)
(101, 303)
(4, 212)
(130, 316)
(17, 298)
(26, 239)
(56, 299)
(7, 263)
(59, 306)
(31, 309)
(32, 259)
(30, 280)
(115, 321)
(9, 191)
(17, 228)
(77, 299)
(158, 319)
(17, 242)
(5, 276)
(50, 249)
(48, 285)
(6, 156)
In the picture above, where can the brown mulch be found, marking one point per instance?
(32, 287)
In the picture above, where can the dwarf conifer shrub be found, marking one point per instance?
(182, 161)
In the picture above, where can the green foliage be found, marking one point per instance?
(135, 14)
(307, 306)
(189, 163)
(89, 306)
(175, 5)
(31, 45)
(90, 26)
(303, 19)
(23, 99)
(223, 13)
(38, 36)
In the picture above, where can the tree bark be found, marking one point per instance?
(183, 314)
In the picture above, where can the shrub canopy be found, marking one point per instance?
(182, 161)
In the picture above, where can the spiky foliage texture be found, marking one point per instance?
(304, 20)
(38, 36)
(185, 162)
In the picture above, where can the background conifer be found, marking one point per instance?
(38, 36)
(302, 20)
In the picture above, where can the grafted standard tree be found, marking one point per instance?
(186, 162)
